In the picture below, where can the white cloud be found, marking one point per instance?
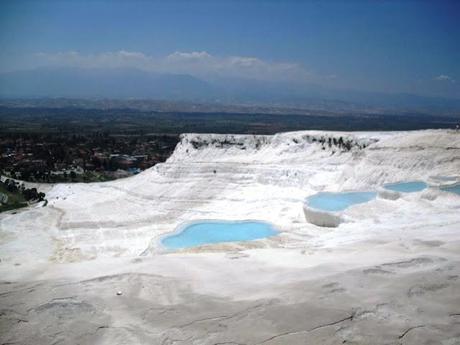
(118, 59)
(443, 77)
(189, 56)
(198, 63)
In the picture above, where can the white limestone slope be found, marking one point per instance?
(240, 177)
(389, 274)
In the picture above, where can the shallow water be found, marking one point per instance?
(208, 232)
(407, 187)
(338, 201)
(453, 189)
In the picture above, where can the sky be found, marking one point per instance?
(388, 46)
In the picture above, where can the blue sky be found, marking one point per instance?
(391, 46)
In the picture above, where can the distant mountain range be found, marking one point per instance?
(137, 84)
(112, 83)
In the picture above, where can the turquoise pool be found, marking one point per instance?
(406, 187)
(453, 189)
(208, 232)
(338, 201)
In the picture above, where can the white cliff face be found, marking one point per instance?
(212, 176)
(389, 273)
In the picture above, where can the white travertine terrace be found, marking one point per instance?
(389, 273)
(388, 194)
(322, 218)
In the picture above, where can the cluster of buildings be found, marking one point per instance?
(52, 159)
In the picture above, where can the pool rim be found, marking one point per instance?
(182, 226)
